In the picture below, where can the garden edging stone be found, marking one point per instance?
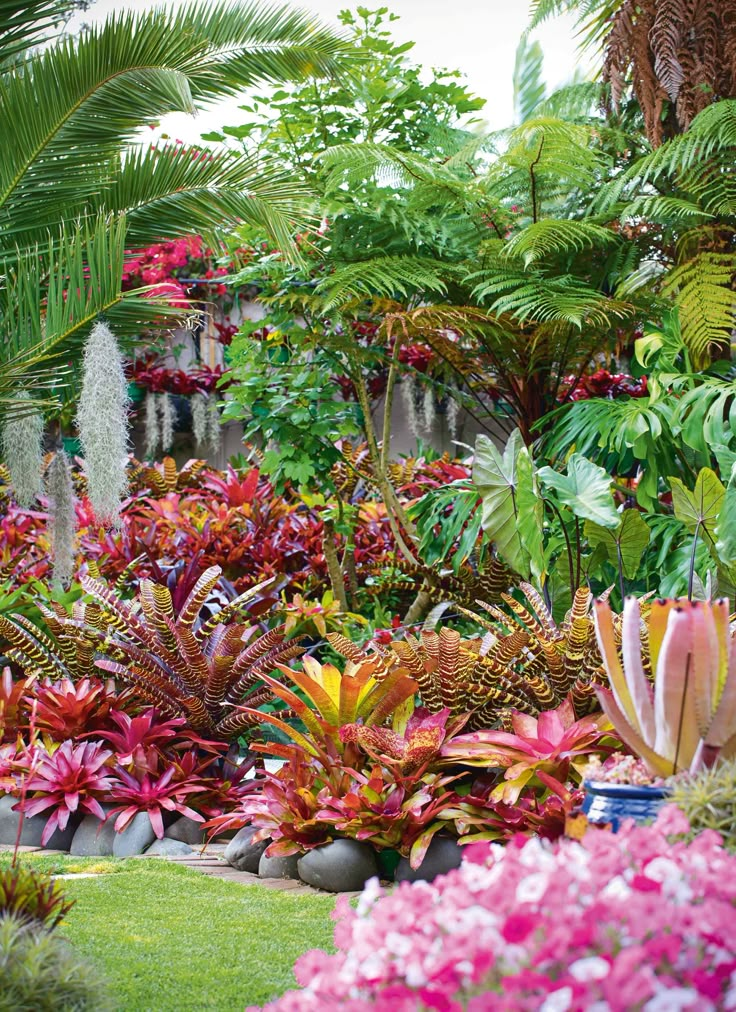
(135, 838)
(342, 866)
(33, 828)
(242, 854)
(278, 867)
(443, 854)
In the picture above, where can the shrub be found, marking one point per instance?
(708, 799)
(31, 895)
(40, 971)
(632, 921)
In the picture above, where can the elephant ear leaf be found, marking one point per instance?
(700, 509)
(496, 479)
(585, 489)
(624, 545)
(726, 529)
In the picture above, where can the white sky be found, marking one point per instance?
(477, 37)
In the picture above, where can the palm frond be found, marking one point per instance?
(81, 99)
(52, 296)
(26, 23)
(166, 192)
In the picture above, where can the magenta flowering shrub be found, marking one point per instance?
(636, 920)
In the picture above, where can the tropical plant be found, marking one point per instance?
(675, 57)
(553, 745)
(64, 709)
(66, 244)
(41, 971)
(689, 719)
(366, 690)
(32, 896)
(526, 663)
(149, 790)
(72, 779)
(196, 671)
(708, 799)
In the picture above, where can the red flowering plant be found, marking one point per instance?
(507, 929)
(553, 745)
(152, 790)
(74, 778)
(65, 709)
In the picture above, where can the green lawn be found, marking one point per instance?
(169, 939)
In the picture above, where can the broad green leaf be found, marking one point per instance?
(627, 541)
(585, 489)
(495, 477)
(699, 510)
(726, 529)
(531, 514)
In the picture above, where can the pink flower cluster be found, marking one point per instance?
(635, 920)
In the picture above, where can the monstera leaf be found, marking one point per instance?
(624, 545)
(585, 489)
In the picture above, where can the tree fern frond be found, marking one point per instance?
(388, 277)
(551, 236)
(703, 292)
(532, 296)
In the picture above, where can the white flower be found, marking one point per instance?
(663, 870)
(557, 1001)
(532, 888)
(415, 975)
(396, 944)
(371, 891)
(616, 889)
(675, 999)
(590, 968)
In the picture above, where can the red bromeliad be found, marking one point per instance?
(553, 743)
(73, 779)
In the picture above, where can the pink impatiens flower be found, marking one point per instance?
(636, 921)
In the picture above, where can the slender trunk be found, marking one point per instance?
(419, 608)
(334, 571)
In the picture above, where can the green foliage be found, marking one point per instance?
(625, 544)
(69, 112)
(529, 87)
(384, 100)
(708, 799)
(288, 399)
(585, 489)
(496, 478)
(448, 522)
(42, 972)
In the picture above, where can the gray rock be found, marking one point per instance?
(342, 866)
(443, 854)
(32, 828)
(187, 831)
(93, 837)
(168, 848)
(278, 867)
(240, 853)
(135, 838)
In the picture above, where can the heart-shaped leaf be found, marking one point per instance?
(585, 489)
(625, 544)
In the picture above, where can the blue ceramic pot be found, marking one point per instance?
(612, 803)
